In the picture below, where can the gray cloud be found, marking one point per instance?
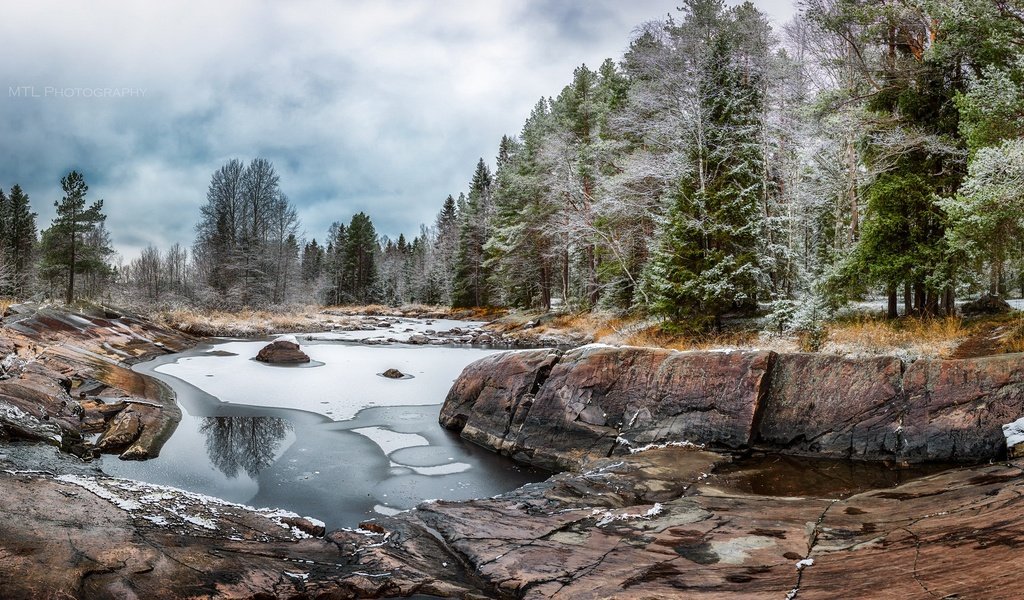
(379, 106)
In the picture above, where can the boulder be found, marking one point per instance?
(393, 374)
(986, 305)
(956, 408)
(283, 350)
(418, 339)
(494, 394)
(557, 410)
(600, 400)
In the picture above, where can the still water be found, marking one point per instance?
(334, 440)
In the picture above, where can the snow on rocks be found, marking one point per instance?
(608, 516)
(163, 506)
(1014, 434)
(683, 444)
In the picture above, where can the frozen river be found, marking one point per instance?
(334, 440)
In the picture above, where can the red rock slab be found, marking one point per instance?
(956, 408)
(493, 395)
(950, 535)
(833, 406)
(601, 400)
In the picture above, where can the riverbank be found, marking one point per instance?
(652, 520)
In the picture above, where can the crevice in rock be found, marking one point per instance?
(811, 543)
(543, 374)
(917, 556)
(761, 400)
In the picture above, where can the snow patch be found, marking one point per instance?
(610, 517)
(665, 445)
(92, 485)
(803, 564)
(1014, 433)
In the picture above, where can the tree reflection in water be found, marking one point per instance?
(247, 443)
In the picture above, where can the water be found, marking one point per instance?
(335, 441)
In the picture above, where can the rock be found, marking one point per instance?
(284, 350)
(556, 411)
(494, 394)
(599, 399)
(418, 339)
(124, 429)
(956, 408)
(986, 305)
(393, 374)
(833, 406)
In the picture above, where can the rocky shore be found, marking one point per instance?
(640, 510)
(558, 409)
(64, 378)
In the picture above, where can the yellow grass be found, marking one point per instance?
(916, 337)
(1013, 341)
(251, 323)
(5, 303)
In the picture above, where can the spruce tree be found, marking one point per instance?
(470, 281)
(446, 246)
(21, 239)
(360, 252)
(706, 263)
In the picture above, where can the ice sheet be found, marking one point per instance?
(347, 383)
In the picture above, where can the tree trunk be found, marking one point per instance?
(908, 299)
(931, 308)
(949, 301)
(893, 310)
(996, 276)
(70, 296)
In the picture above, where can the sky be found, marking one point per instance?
(380, 106)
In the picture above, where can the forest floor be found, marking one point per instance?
(856, 333)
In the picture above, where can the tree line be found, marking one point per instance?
(719, 169)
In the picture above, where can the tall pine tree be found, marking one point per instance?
(75, 243)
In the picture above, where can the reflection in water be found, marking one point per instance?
(249, 443)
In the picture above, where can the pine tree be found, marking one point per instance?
(74, 244)
(312, 261)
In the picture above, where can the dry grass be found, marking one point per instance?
(1013, 339)
(729, 340)
(255, 323)
(306, 319)
(5, 303)
(910, 337)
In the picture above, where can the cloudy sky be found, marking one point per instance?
(380, 106)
